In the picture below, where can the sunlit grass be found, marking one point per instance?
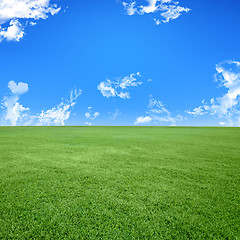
(119, 182)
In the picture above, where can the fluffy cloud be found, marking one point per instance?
(228, 74)
(15, 15)
(130, 8)
(17, 114)
(19, 88)
(13, 32)
(228, 106)
(87, 115)
(140, 120)
(119, 87)
(157, 113)
(91, 116)
(168, 9)
(106, 89)
(14, 111)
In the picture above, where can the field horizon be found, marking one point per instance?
(119, 182)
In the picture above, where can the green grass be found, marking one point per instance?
(119, 183)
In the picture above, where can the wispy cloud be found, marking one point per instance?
(15, 15)
(120, 87)
(199, 111)
(90, 116)
(115, 115)
(157, 114)
(17, 114)
(228, 106)
(58, 114)
(167, 9)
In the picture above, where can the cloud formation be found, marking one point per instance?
(90, 116)
(18, 89)
(119, 88)
(58, 114)
(16, 114)
(167, 9)
(157, 113)
(14, 111)
(228, 106)
(141, 120)
(15, 15)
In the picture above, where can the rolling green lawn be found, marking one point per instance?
(119, 183)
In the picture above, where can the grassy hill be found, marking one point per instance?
(119, 183)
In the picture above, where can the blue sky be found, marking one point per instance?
(148, 63)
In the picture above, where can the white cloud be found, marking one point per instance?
(150, 8)
(13, 32)
(14, 111)
(171, 12)
(95, 115)
(123, 95)
(228, 74)
(168, 9)
(227, 106)
(15, 14)
(19, 88)
(91, 116)
(17, 114)
(157, 113)
(106, 89)
(33, 24)
(59, 114)
(118, 88)
(130, 8)
(141, 120)
(202, 110)
(87, 115)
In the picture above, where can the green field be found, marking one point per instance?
(119, 183)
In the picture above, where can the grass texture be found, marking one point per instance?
(119, 183)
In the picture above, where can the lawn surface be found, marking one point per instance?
(119, 183)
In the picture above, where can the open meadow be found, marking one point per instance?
(119, 183)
